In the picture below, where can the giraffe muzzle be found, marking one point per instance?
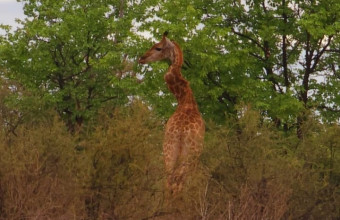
(142, 60)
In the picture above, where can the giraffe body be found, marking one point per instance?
(184, 131)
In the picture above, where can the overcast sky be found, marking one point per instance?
(9, 11)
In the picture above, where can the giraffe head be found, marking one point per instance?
(159, 51)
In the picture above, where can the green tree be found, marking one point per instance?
(72, 55)
(280, 55)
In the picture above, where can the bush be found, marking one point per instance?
(122, 168)
(36, 177)
(114, 170)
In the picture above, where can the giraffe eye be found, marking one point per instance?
(158, 49)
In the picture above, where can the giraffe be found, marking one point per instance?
(184, 131)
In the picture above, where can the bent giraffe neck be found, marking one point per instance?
(177, 84)
(176, 57)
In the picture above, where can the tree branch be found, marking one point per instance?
(318, 55)
(247, 37)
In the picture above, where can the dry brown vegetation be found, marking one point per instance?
(113, 169)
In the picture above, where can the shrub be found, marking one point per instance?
(113, 169)
(36, 173)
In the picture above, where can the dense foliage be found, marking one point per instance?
(81, 123)
(280, 55)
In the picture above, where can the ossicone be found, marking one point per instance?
(165, 34)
